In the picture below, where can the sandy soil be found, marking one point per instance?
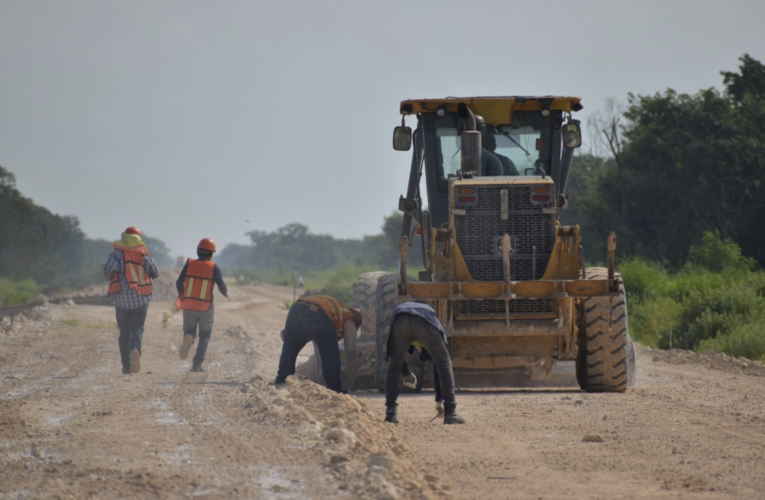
(72, 426)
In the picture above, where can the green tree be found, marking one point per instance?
(749, 83)
(690, 164)
(594, 198)
(159, 251)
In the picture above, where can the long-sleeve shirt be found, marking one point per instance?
(217, 279)
(422, 310)
(128, 298)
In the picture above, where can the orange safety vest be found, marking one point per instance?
(135, 274)
(336, 310)
(198, 285)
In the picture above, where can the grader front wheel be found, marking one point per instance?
(606, 356)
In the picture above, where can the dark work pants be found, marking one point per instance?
(303, 326)
(406, 329)
(130, 322)
(204, 321)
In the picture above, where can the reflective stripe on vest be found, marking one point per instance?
(198, 285)
(134, 273)
(335, 310)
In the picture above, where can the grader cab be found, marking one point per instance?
(507, 280)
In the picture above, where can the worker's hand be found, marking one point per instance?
(410, 381)
(439, 408)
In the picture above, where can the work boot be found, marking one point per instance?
(126, 370)
(439, 408)
(135, 361)
(450, 414)
(197, 367)
(188, 341)
(390, 414)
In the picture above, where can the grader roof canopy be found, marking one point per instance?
(493, 109)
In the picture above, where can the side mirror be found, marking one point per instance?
(402, 138)
(572, 134)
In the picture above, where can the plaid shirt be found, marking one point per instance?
(128, 298)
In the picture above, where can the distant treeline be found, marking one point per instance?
(42, 251)
(328, 265)
(293, 249)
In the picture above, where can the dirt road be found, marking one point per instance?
(72, 426)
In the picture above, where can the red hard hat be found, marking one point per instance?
(133, 230)
(207, 244)
(356, 316)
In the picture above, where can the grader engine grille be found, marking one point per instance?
(537, 308)
(479, 233)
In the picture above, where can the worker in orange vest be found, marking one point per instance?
(325, 321)
(130, 268)
(195, 298)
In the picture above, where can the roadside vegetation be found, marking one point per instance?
(679, 178)
(716, 301)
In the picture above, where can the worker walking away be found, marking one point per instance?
(195, 297)
(414, 322)
(130, 268)
(325, 321)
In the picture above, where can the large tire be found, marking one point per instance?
(386, 303)
(367, 297)
(605, 360)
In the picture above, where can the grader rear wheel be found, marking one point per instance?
(386, 303)
(606, 356)
(367, 297)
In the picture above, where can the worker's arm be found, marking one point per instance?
(150, 265)
(349, 342)
(181, 279)
(218, 279)
(113, 264)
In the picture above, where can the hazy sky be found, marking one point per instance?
(194, 119)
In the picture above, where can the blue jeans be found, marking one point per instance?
(305, 323)
(204, 321)
(130, 323)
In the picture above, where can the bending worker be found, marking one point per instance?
(195, 296)
(323, 320)
(415, 322)
(130, 268)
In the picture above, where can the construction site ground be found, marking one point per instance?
(73, 426)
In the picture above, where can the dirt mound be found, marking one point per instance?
(710, 359)
(364, 454)
(34, 320)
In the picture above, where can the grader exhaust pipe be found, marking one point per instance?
(470, 141)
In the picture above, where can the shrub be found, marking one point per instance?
(17, 292)
(719, 255)
(746, 340)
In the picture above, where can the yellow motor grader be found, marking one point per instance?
(507, 280)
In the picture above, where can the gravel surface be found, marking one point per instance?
(72, 426)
